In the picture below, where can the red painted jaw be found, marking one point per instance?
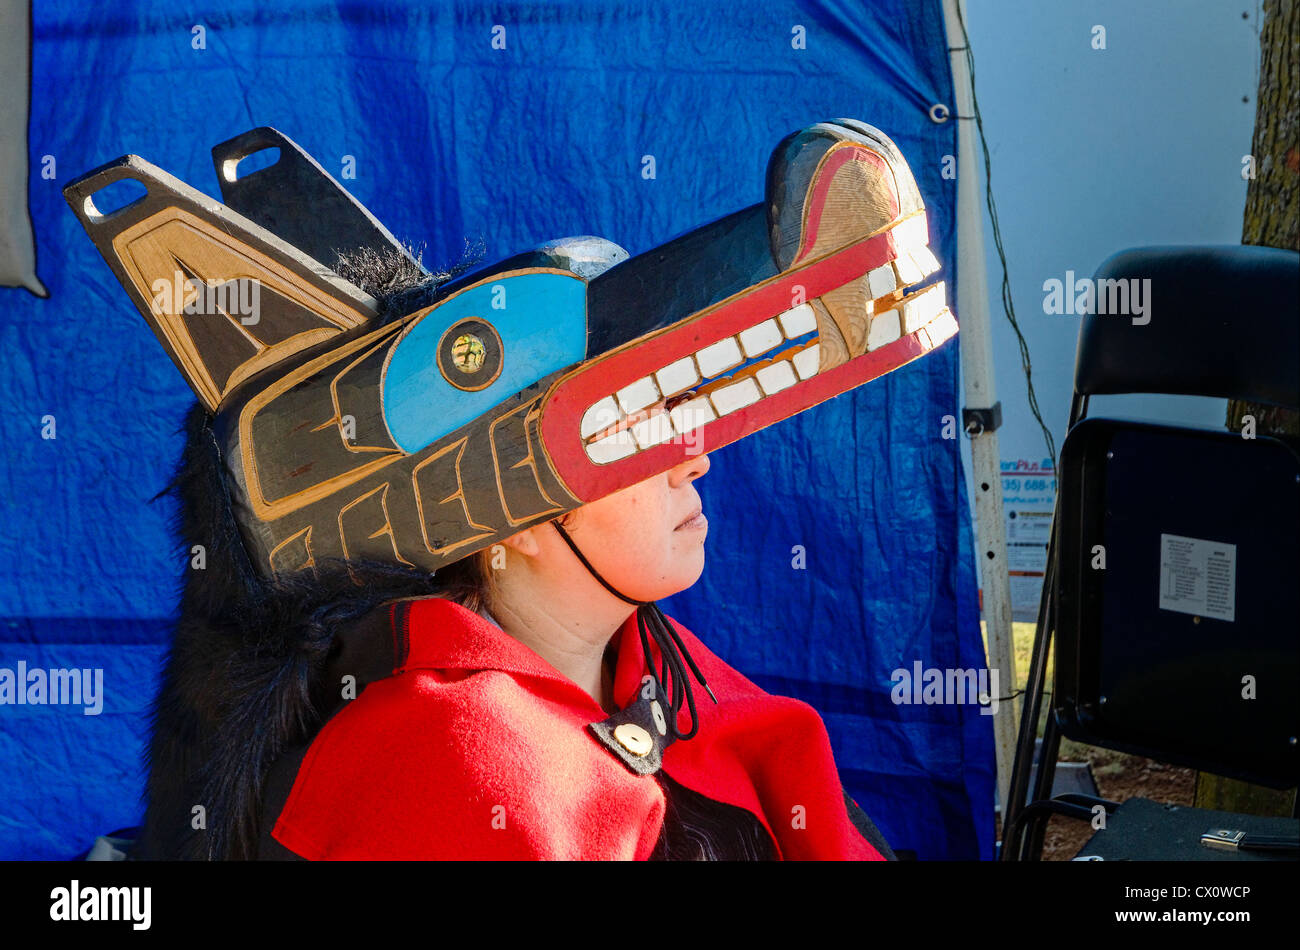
(570, 411)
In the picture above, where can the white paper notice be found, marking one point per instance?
(1198, 577)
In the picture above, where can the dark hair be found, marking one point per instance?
(240, 682)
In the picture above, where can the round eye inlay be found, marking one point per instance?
(467, 353)
(470, 354)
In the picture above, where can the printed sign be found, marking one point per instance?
(1028, 501)
(1198, 577)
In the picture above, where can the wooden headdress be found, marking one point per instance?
(529, 388)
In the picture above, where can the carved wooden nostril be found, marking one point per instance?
(831, 346)
(849, 308)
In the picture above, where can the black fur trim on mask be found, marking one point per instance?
(242, 677)
(396, 280)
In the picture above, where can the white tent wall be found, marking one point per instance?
(979, 393)
(1111, 124)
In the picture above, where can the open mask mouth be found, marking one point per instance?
(725, 373)
(756, 363)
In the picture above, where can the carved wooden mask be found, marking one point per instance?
(529, 388)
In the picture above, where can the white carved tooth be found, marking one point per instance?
(600, 416)
(925, 308)
(719, 357)
(657, 428)
(924, 258)
(881, 281)
(916, 314)
(807, 360)
(798, 320)
(908, 272)
(760, 339)
(884, 329)
(638, 395)
(911, 234)
(677, 376)
(612, 448)
(932, 305)
(692, 414)
(776, 377)
(736, 396)
(929, 305)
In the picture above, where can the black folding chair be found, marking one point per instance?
(1172, 588)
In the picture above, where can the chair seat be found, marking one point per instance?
(1143, 830)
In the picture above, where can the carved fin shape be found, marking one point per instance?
(225, 297)
(296, 199)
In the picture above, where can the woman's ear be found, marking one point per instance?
(525, 542)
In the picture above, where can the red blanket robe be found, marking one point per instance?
(476, 748)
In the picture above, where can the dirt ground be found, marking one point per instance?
(1119, 777)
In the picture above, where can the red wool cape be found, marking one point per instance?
(476, 748)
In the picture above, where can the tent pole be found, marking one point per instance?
(976, 350)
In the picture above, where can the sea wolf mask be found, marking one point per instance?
(529, 388)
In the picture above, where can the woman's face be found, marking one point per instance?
(647, 540)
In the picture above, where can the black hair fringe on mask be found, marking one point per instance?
(397, 280)
(241, 675)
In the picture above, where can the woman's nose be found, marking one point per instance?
(690, 468)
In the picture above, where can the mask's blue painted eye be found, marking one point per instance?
(478, 347)
(469, 355)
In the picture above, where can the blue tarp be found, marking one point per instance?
(452, 140)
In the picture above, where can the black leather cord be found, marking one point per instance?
(651, 622)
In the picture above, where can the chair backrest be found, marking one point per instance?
(1178, 592)
(1204, 321)
(1177, 548)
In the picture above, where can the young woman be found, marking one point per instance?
(477, 746)
(342, 682)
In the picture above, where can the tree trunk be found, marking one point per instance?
(1272, 219)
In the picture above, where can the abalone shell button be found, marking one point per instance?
(658, 713)
(633, 738)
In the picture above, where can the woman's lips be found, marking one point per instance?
(695, 522)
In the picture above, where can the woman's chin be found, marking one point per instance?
(694, 575)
